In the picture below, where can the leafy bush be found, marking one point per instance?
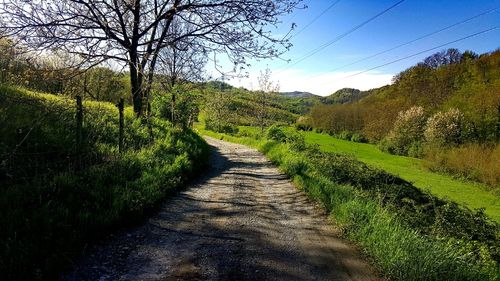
(276, 133)
(292, 137)
(303, 127)
(345, 135)
(416, 149)
(357, 137)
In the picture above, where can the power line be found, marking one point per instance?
(338, 38)
(419, 38)
(421, 52)
(315, 19)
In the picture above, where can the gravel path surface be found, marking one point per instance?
(243, 220)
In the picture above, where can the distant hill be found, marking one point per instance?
(345, 95)
(298, 94)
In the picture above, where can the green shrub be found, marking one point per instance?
(345, 135)
(303, 127)
(416, 150)
(276, 133)
(294, 165)
(291, 136)
(357, 137)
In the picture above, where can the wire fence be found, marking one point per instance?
(43, 137)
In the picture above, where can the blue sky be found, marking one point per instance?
(320, 73)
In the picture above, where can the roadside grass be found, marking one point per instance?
(471, 194)
(49, 217)
(408, 238)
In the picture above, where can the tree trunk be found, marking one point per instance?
(173, 107)
(136, 86)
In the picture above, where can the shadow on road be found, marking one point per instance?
(241, 220)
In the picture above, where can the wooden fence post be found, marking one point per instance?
(150, 126)
(79, 125)
(120, 134)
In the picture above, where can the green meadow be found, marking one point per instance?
(474, 195)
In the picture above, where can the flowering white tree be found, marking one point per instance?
(408, 130)
(446, 128)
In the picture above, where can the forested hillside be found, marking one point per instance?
(446, 108)
(345, 95)
(467, 82)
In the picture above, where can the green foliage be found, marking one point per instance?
(51, 73)
(345, 95)
(239, 107)
(357, 137)
(276, 133)
(220, 126)
(100, 84)
(291, 137)
(462, 94)
(186, 105)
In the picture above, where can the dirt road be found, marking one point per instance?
(242, 221)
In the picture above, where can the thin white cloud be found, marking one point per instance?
(320, 84)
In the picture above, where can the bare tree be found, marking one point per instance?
(133, 32)
(180, 63)
(445, 57)
(266, 88)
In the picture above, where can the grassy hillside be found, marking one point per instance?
(345, 95)
(473, 195)
(58, 194)
(469, 193)
(298, 94)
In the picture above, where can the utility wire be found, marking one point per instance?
(419, 38)
(421, 52)
(315, 19)
(338, 38)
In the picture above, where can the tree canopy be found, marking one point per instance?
(132, 33)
